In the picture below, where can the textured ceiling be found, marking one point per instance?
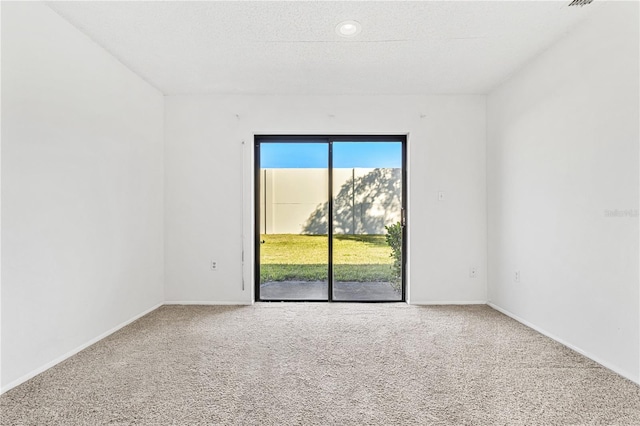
(292, 48)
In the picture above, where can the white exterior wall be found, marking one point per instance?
(290, 200)
(289, 197)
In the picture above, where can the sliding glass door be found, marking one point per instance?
(367, 221)
(330, 221)
(293, 249)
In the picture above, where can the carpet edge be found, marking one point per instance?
(627, 375)
(73, 352)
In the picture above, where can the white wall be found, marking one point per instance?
(289, 196)
(204, 186)
(82, 191)
(291, 200)
(562, 151)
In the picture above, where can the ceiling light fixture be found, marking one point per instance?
(348, 28)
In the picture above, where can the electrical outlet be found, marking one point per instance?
(214, 265)
(473, 272)
(516, 276)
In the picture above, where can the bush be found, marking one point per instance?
(394, 239)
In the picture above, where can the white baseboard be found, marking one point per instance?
(449, 302)
(207, 303)
(592, 357)
(69, 354)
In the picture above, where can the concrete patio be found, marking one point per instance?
(318, 290)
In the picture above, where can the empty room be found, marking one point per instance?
(320, 212)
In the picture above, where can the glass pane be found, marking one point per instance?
(294, 247)
(367, 208)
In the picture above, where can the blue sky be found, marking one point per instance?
(345, 155)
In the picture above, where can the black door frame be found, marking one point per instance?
(328, 139)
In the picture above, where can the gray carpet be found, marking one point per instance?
(321, 364)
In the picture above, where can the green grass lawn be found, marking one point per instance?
(363, 258)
